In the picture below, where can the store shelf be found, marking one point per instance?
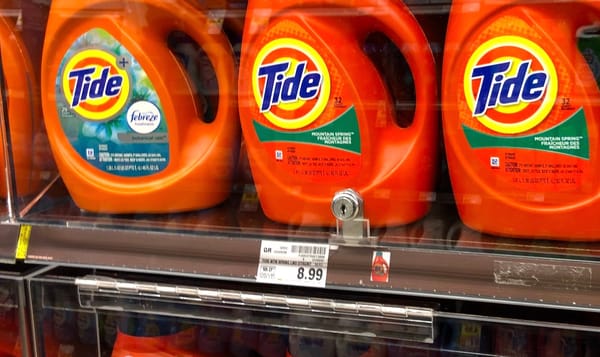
(138, 300)
(435, 257)
(9, 235)
(444, 289)
(457, 274)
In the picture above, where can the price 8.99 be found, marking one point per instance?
(293, 263)
(310, 274)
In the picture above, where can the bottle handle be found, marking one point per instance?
(400, 26)
(23, 104)
(192, 21)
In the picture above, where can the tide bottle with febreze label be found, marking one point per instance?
(24, 111)
(318, 117)
(521, 116)
(124, 125)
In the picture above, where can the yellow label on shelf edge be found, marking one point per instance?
(23, 242)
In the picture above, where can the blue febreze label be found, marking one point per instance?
(109, 109)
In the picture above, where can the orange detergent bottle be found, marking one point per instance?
(317, 116)
(182, 344)
(125, 127)
(520, 117)
(24, 111)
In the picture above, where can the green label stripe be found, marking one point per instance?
(342, 133)
(569, 138)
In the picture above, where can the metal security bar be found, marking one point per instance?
(262, 309)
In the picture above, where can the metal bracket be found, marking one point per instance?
(397, 322)
(351, 225)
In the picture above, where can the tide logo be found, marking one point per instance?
(510, 84)
(95, 86)
(290, 83)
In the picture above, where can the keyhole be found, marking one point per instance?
(343, 208)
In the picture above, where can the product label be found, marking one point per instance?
(380, 266)
(353, 346)
(514, 341)
(291, 83)
(322, 154)
(470, 337)
(291, 263)
(310, 343)
(510, 84)
(291, 86)
(526, 121)
(109, 109)
(565, 138)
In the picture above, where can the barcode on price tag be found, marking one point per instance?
(312, 250)
(292, 263)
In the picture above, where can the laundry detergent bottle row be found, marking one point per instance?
(125, 125)
(317, 116)
(22, 96)
(521, 114)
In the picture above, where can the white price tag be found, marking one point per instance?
(291, 263)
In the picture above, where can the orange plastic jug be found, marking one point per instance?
(24, 112)
(178, 344)
(520, 118)
(317, 116)
(124, 125)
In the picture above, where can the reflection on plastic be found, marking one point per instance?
(357, 346)
(9, 323)
(310, 343)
